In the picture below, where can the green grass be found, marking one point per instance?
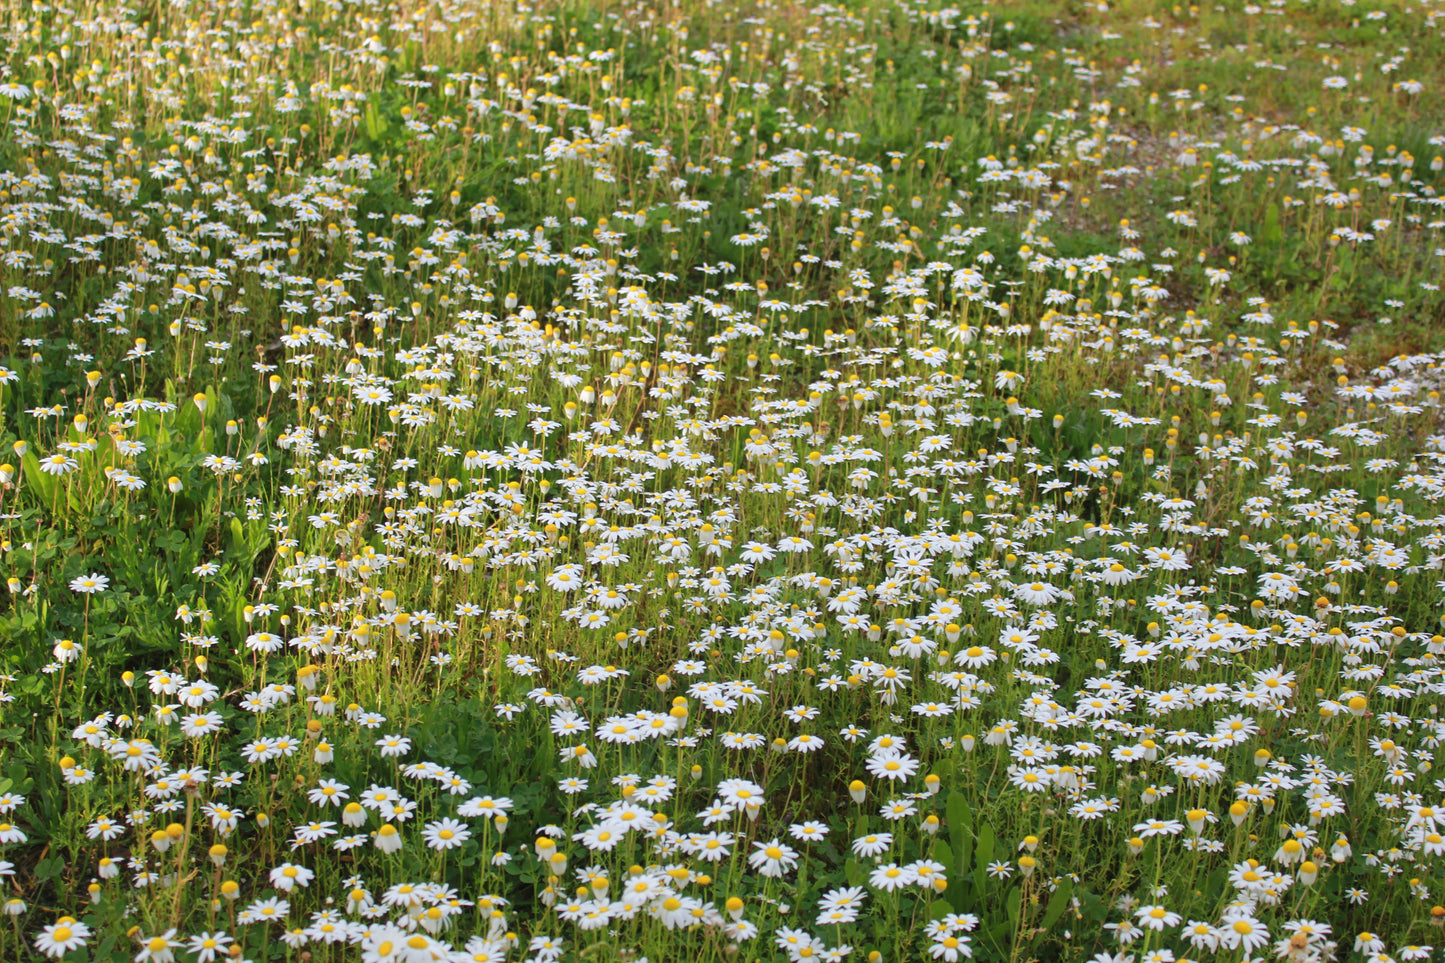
(971, 299)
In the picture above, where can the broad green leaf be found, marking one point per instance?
(1272, 233)
(44, 485)
(983, 855)
(1058, 902)
(960, 833)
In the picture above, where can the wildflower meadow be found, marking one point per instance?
(604, 481)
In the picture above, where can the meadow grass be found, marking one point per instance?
(599, 481)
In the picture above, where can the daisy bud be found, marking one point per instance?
(858, 791)
(932, 784)
(200, 400)
(1290, 852)
(231, 889)
(388, 840)
(930, 824)
(218, 854)
(353, 815)
(1308, 870)
(1027, 864)
(967, 743)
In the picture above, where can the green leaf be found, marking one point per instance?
(982, 857)
(375, 126)
(960, 834)
(1272, 233)
(43, 484)
(1058, 902)
(1215, 883)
